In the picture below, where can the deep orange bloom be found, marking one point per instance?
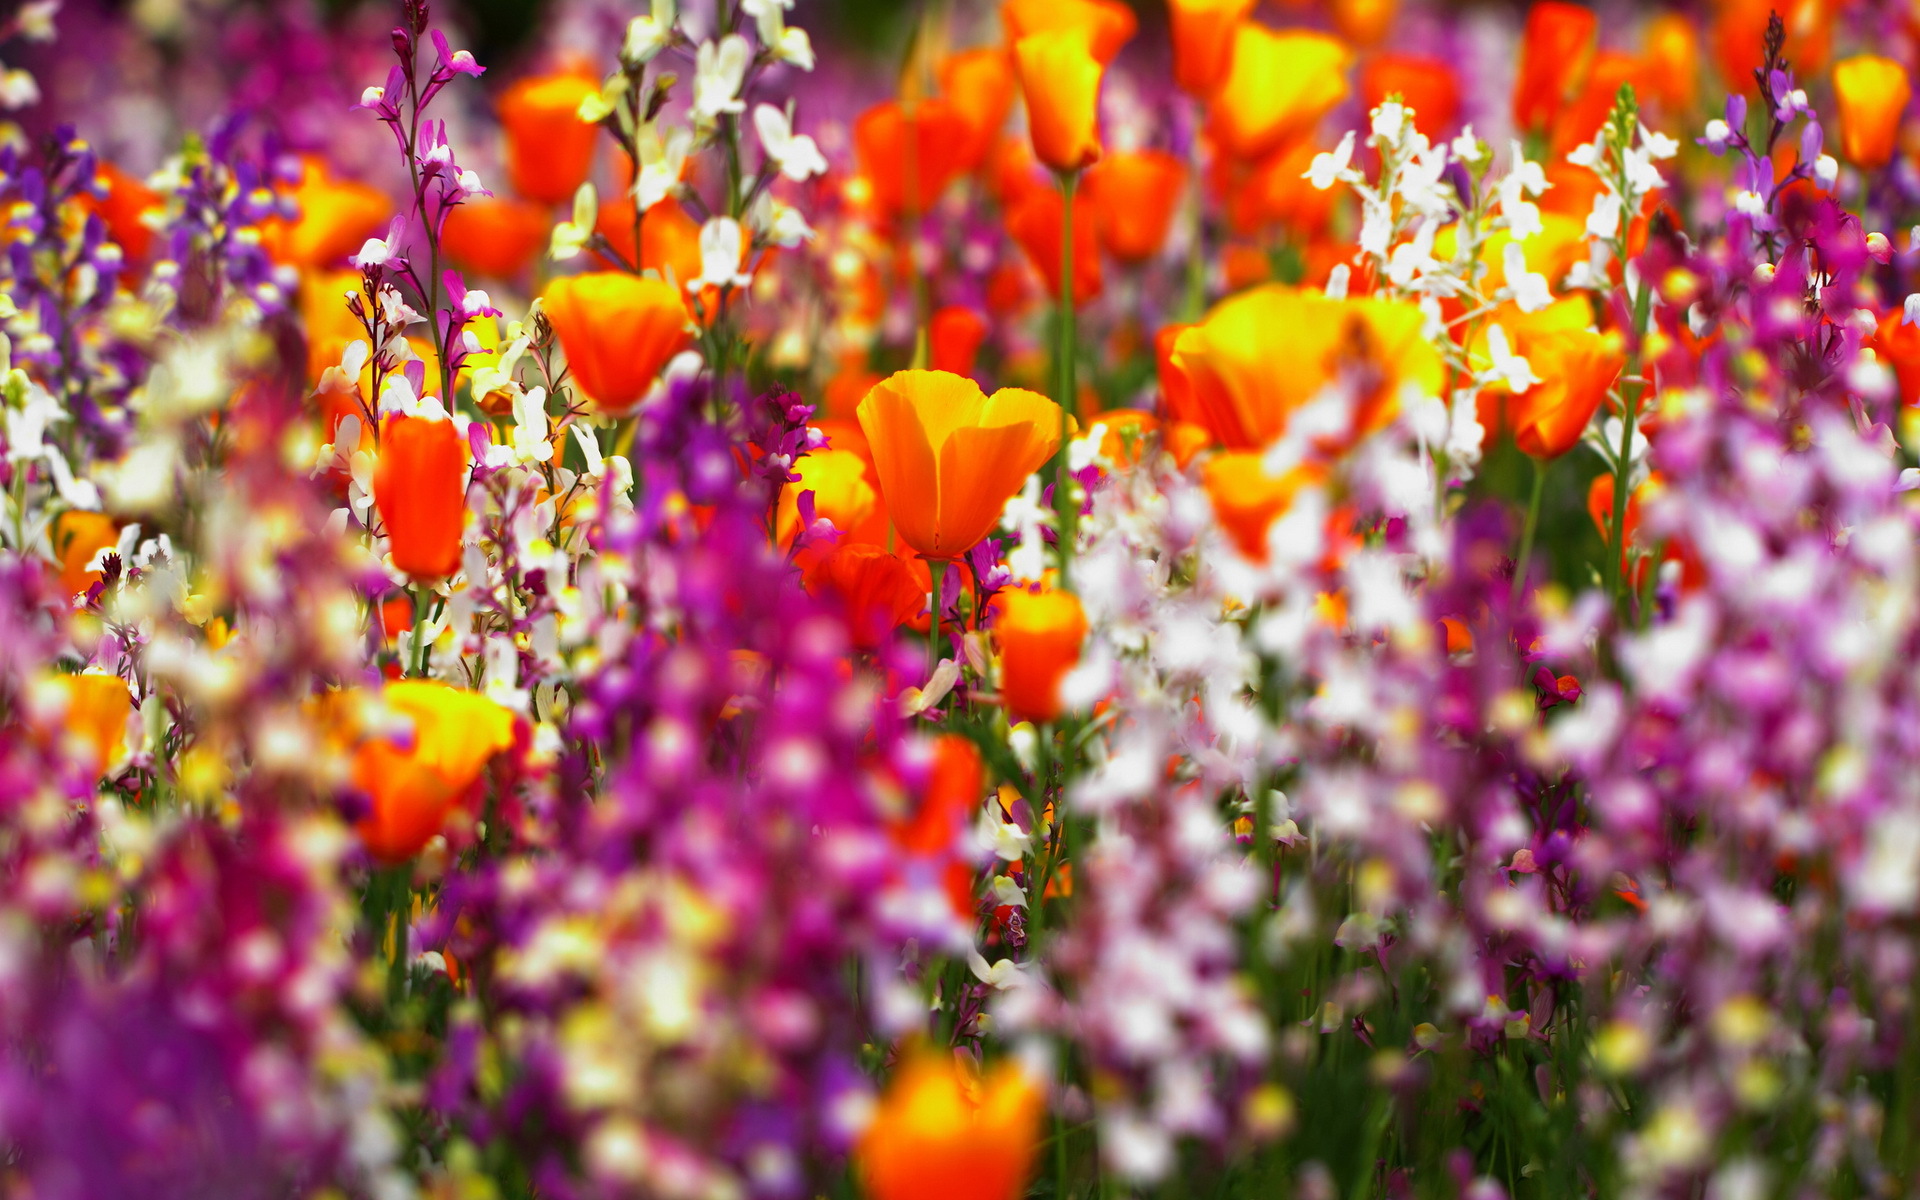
(618, 330)
(1426, 85)
(842, 493)
(880, 591)
(1363, 22)
(1670, 47)
(956, 780)
(1127, 430)
(1247, 499)
(669, 238)
(1871, 93)
(126, 201)
(954, 335)
(496, 238)
(76, 536)
(908, 159)
(1278, 87)
(1136, 194)
(949, 456)
(1176, 396)
(95, 718)
(1583, 115)
(1060, 77)
(1576, 367)
(336, 217)
(1740, 26)
(1036, 225)
(419, 486)
(1556, 52)
(1203, 33)
(1262, 354)
(940, 1133)
(413, 783)
(1275, 190)
(1898, 345)
(1108, 24)
(980, 86)
(1039, 635)
(549, 148)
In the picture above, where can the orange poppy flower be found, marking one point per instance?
(419, 486)
(949, 456)
(980, 86)
(670, 239)
(1278, 86)
(1203, 33)
(1060, 77)
(1898, 343)
(956, 781)
(77, 536)
(1670, 47)
(1247, 499)
(1583, 115)
(618, 331)
(1036, 225)
(841, 494)
(414, 782)
(908, 158)
(336, 218)
(1126, 431)
(549, 148)
(941, 1133)
(1136, 194)
(880, 591)
(1576, 367)
(1039, 635)
(1740, 26)
(126, 202)
(1108, 24)
(1556, 52)
(496, 238)
(954, 335)
(95, 717)
(1363, 22)
(1871, 93)
(1232, 361)
(1426, 85)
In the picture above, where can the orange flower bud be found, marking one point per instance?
(949, 456)
(549, 148)
(956, 781)
(669, 238)
(1247, 500)
(942, 1134)
(95, 717)
(1278, 87)
(1136, 194)
(1556, 52)
(413, 783)
(1871, 93)
(1108, 24)
(1203, 32)
(495, 238)
(336, 218)
(1576, 367)
(1060, 77)
(909, 158)
(1671, 50)
(955, 334)
(126, 202)
(77, 536)
(1036, 225)
(880, 591)
(980, 86)
(1426, 85)
(619, 331)
(1039, 635)
(419, 486)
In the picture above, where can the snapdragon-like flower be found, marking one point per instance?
(720, 70)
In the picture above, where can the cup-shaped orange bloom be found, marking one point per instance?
(980, 86)
(1576, 367)
(1898, 345)
(1582, 116)
(1426, 85)
(496, 238)
(1278, 86)
(336, 217)
(1127, 431)
(1247, 499)
(940, 1133)
(1871, 93)
(908, 157)
(76, 537)
(954, 335)
(1363, 22)
(880, 592)
(420, 488)
(618, 330)
(126, 202)
(1039, 634)
(1556, 51)
(413, 781)
(549, 148)
(841, 494)
(669, 238)
(1060, 77)
(1203, 33)
(1263, 354)
(956, 781)
(949, 456)
(1136, 194)
(1740, 27)
(1035, 223)
(1670, 47)
(95, 718)
(1108, 24)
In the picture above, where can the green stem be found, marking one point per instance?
(937, 568)
(1622, 467)
(1066, 511)
(418, 667)
(1533, 523)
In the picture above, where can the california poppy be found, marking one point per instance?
(1247, 498)
(1739, 33)
(1898, 343)
(1136, 194)
(618, 331)
(880, 591)
(955, 334)
(907, 157)
(1107, 24)
(496, 238)
(336, 218)
(939, 1133)
(1425, 85)
(1670, 47)
(669, 238)
(1060, 76)
(419, 486)
(956, 780)
(77, 536)
(1556, 52)
(1363, 22)
(1039, 635)
(124, 208)
(1576, 367)
(842, 494)
(1036, 225)
(949, 456)
(1871, 93)
(1203, 33)
(95, 718)
(549, 148)
(979, 84)
(1278, 86)
(414, 781)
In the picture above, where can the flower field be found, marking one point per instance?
(1058, 599)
